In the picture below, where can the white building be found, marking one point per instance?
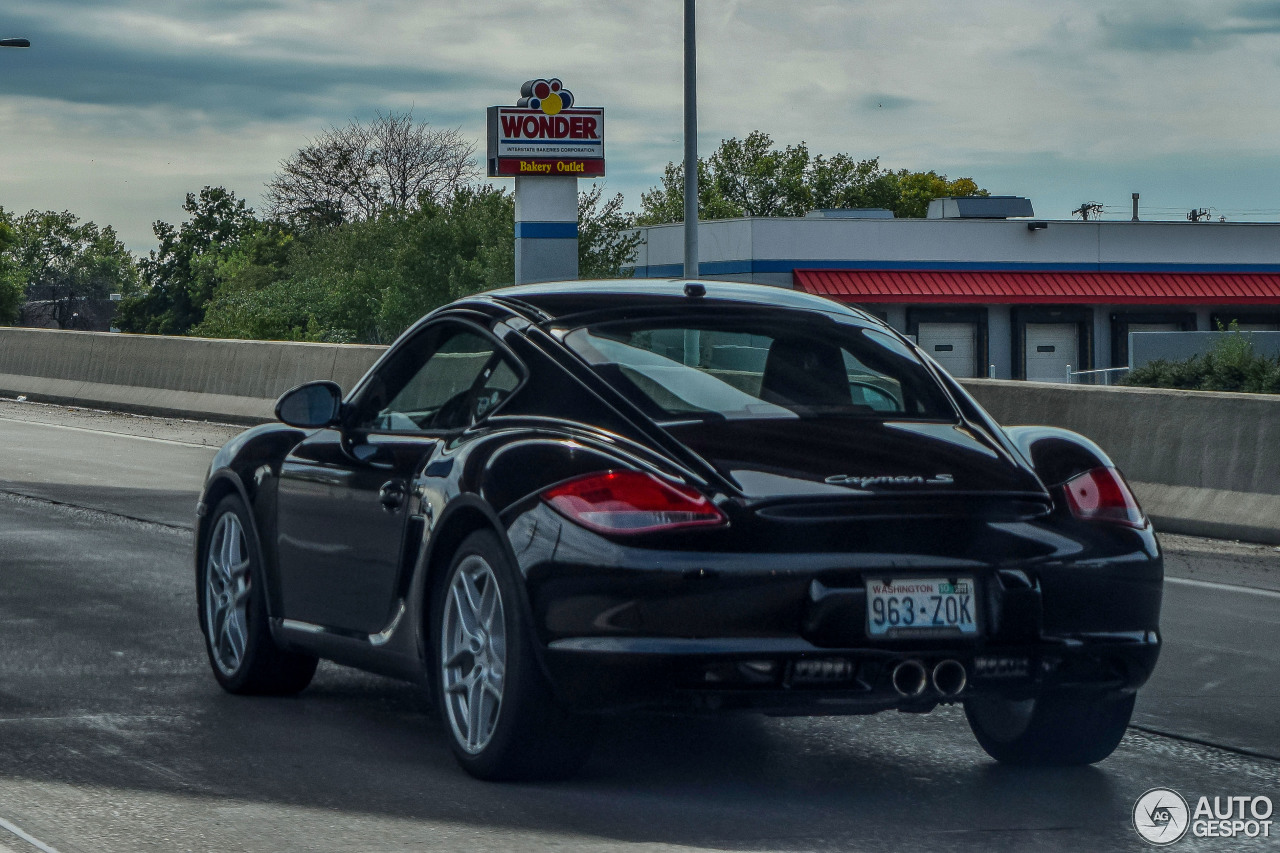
(1006, 297)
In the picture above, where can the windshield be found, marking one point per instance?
(756, 368)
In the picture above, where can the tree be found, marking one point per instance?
(357, 172)
(752, 177)
(607, 238)
(62, 261)
(12, 284)
(180, 276)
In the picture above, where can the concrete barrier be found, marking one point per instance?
(223, 380)
(1202, 463)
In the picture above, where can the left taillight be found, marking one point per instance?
(1103, 495)
(632, 502)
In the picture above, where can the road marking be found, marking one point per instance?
(27, 837)
(110, 432)
(1225, 587)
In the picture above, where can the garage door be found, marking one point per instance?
(1051, 349)
(952, 345)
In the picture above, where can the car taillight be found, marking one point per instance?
(632, 502)
(1102, 495)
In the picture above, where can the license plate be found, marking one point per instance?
(921, 607)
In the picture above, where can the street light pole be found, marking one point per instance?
(690, 144)
(15, 43)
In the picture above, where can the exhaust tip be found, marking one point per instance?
(909, 678)
(950, 678)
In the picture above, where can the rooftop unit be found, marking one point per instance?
(980, 207)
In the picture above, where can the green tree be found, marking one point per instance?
(753, 177)
(180, 276)
(12, 284)
(367, 281)
(60, 260)
(607, 238)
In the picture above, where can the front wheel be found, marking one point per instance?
(503, 722)
(233, 611)
(1052, 729)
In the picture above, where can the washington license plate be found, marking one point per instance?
(921, 606)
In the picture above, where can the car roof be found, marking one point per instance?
(556, 300)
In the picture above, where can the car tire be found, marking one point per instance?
(502, 720)
(1052, 729)
(233, 611)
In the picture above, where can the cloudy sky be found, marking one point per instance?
(123, 106)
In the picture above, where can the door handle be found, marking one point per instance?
(391, 495)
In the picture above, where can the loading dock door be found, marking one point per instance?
(1051, 348)
(952, 345)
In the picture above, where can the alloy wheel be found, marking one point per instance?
(226, 597)
(473, 653)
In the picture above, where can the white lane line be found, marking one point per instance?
(109, 432)
(27, 837)
(1225, 587)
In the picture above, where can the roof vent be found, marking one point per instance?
(980, 207)
(851, 213)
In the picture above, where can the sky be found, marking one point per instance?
(121, 107)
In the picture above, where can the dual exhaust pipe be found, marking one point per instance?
(910, 678)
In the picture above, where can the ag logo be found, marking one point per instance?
(550, 96)
(1161, 816)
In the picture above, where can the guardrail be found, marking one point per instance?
(1201, 462)
(1106, 376)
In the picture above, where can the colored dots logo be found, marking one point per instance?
(550, 96)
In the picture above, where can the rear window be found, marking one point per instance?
(760, 368)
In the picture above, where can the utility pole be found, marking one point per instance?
(690, 144)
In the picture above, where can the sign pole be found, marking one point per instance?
(690, 144)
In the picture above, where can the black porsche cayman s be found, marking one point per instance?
(552, 501)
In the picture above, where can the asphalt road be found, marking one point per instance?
(114, 737)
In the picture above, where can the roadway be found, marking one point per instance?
(114, 737)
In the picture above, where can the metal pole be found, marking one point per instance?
(690, 144)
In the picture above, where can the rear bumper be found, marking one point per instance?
(793, 676)
(1059, 606)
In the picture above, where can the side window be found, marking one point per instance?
(447, 379)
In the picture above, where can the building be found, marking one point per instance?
(988, 294)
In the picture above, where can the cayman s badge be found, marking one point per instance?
(889, 480)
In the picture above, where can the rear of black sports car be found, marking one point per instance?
(870, 540)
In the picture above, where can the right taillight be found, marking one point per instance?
(1102, 495)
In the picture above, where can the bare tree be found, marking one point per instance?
(358, 171)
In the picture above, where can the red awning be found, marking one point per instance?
(1108, 288)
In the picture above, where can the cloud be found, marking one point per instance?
(237, 88)
(1179, 27)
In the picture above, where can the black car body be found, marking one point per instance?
(749, 541)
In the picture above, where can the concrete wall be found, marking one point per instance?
(1202, 463)
(229, 381)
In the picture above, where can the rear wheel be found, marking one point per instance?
(1054, 728)
(233, 611)
(503, 722)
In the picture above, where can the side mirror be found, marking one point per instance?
(309, 406)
